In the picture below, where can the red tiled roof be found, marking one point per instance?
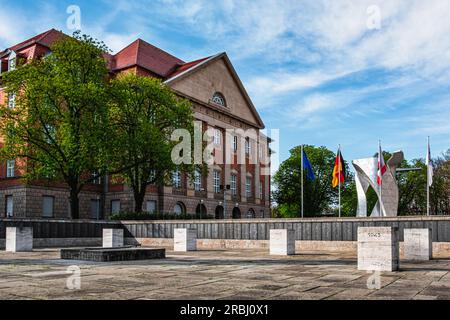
(145, 55)
(186, 66)
(46, 38)
(138, 53)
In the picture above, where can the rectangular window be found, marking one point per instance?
(261, 151)
(10, 166)
(217, 137)
(248, 146)
(176, 179)
(95, 209)
(216, 179)
(151, 206)
(12, 100)
(233, 185)
(9, 200)
(261, 190)
(235, 143)
(248, 187)
(47, 206)
(198, 180)
(115, 206)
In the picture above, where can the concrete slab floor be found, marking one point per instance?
(234, 274)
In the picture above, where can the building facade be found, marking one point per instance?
(237, 184)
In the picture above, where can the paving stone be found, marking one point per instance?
(234, 274)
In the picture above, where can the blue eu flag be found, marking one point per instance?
(307, 166)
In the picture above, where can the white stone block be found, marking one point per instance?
(378, 249)
(19, 239)
(282, 242)
(184, 240)
(418, 244)
(112, 238)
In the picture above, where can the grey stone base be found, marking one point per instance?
(112, 254)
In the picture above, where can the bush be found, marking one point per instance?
(156, 216)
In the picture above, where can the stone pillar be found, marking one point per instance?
(282, 242)
(184, 240)
(112, 238)
(19, 239)
(378, 249)
(418, 244)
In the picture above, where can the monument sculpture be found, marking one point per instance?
(366, 176)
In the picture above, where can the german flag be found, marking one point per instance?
(338, 170)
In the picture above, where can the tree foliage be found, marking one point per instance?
(144, 113)
(58, 127)
(319, 195)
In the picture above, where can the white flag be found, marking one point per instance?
(429, 166)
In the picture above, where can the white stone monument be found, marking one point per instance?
(366, 176)
(282, 242)
(418, 244)
(184, 240)
(378, 249)
(112, 238)
(19, 239)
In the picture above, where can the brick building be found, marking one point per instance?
(232, 189)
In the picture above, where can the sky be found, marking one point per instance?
(322, 72)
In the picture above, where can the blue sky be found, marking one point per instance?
(317, 70)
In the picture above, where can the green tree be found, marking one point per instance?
(144, 113)
(319, 195)
(58, 125)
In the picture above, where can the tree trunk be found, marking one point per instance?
(139, 196)
(74, 203)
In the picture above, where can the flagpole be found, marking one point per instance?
(339, 177)
(381, 177)
(428, 177)
(301, 174)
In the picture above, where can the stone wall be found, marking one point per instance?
(318, 229)
(59, 229)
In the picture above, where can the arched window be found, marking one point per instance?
(251, 214)
(179, 208)
(219, 99)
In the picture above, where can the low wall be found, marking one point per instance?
(59, 229)
(316, 229)
(440, 249)
(316, 234)
(61, 242)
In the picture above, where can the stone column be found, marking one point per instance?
(184, 240)
(19, 239)
(112, 238)
(282, 242)
(378, 249)
(418, 244)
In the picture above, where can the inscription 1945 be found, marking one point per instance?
(374, 234)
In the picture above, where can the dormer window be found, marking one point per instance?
(219, 99)
(12, 61)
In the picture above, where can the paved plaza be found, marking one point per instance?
(231, 275)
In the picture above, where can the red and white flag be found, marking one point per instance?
(382, 168)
